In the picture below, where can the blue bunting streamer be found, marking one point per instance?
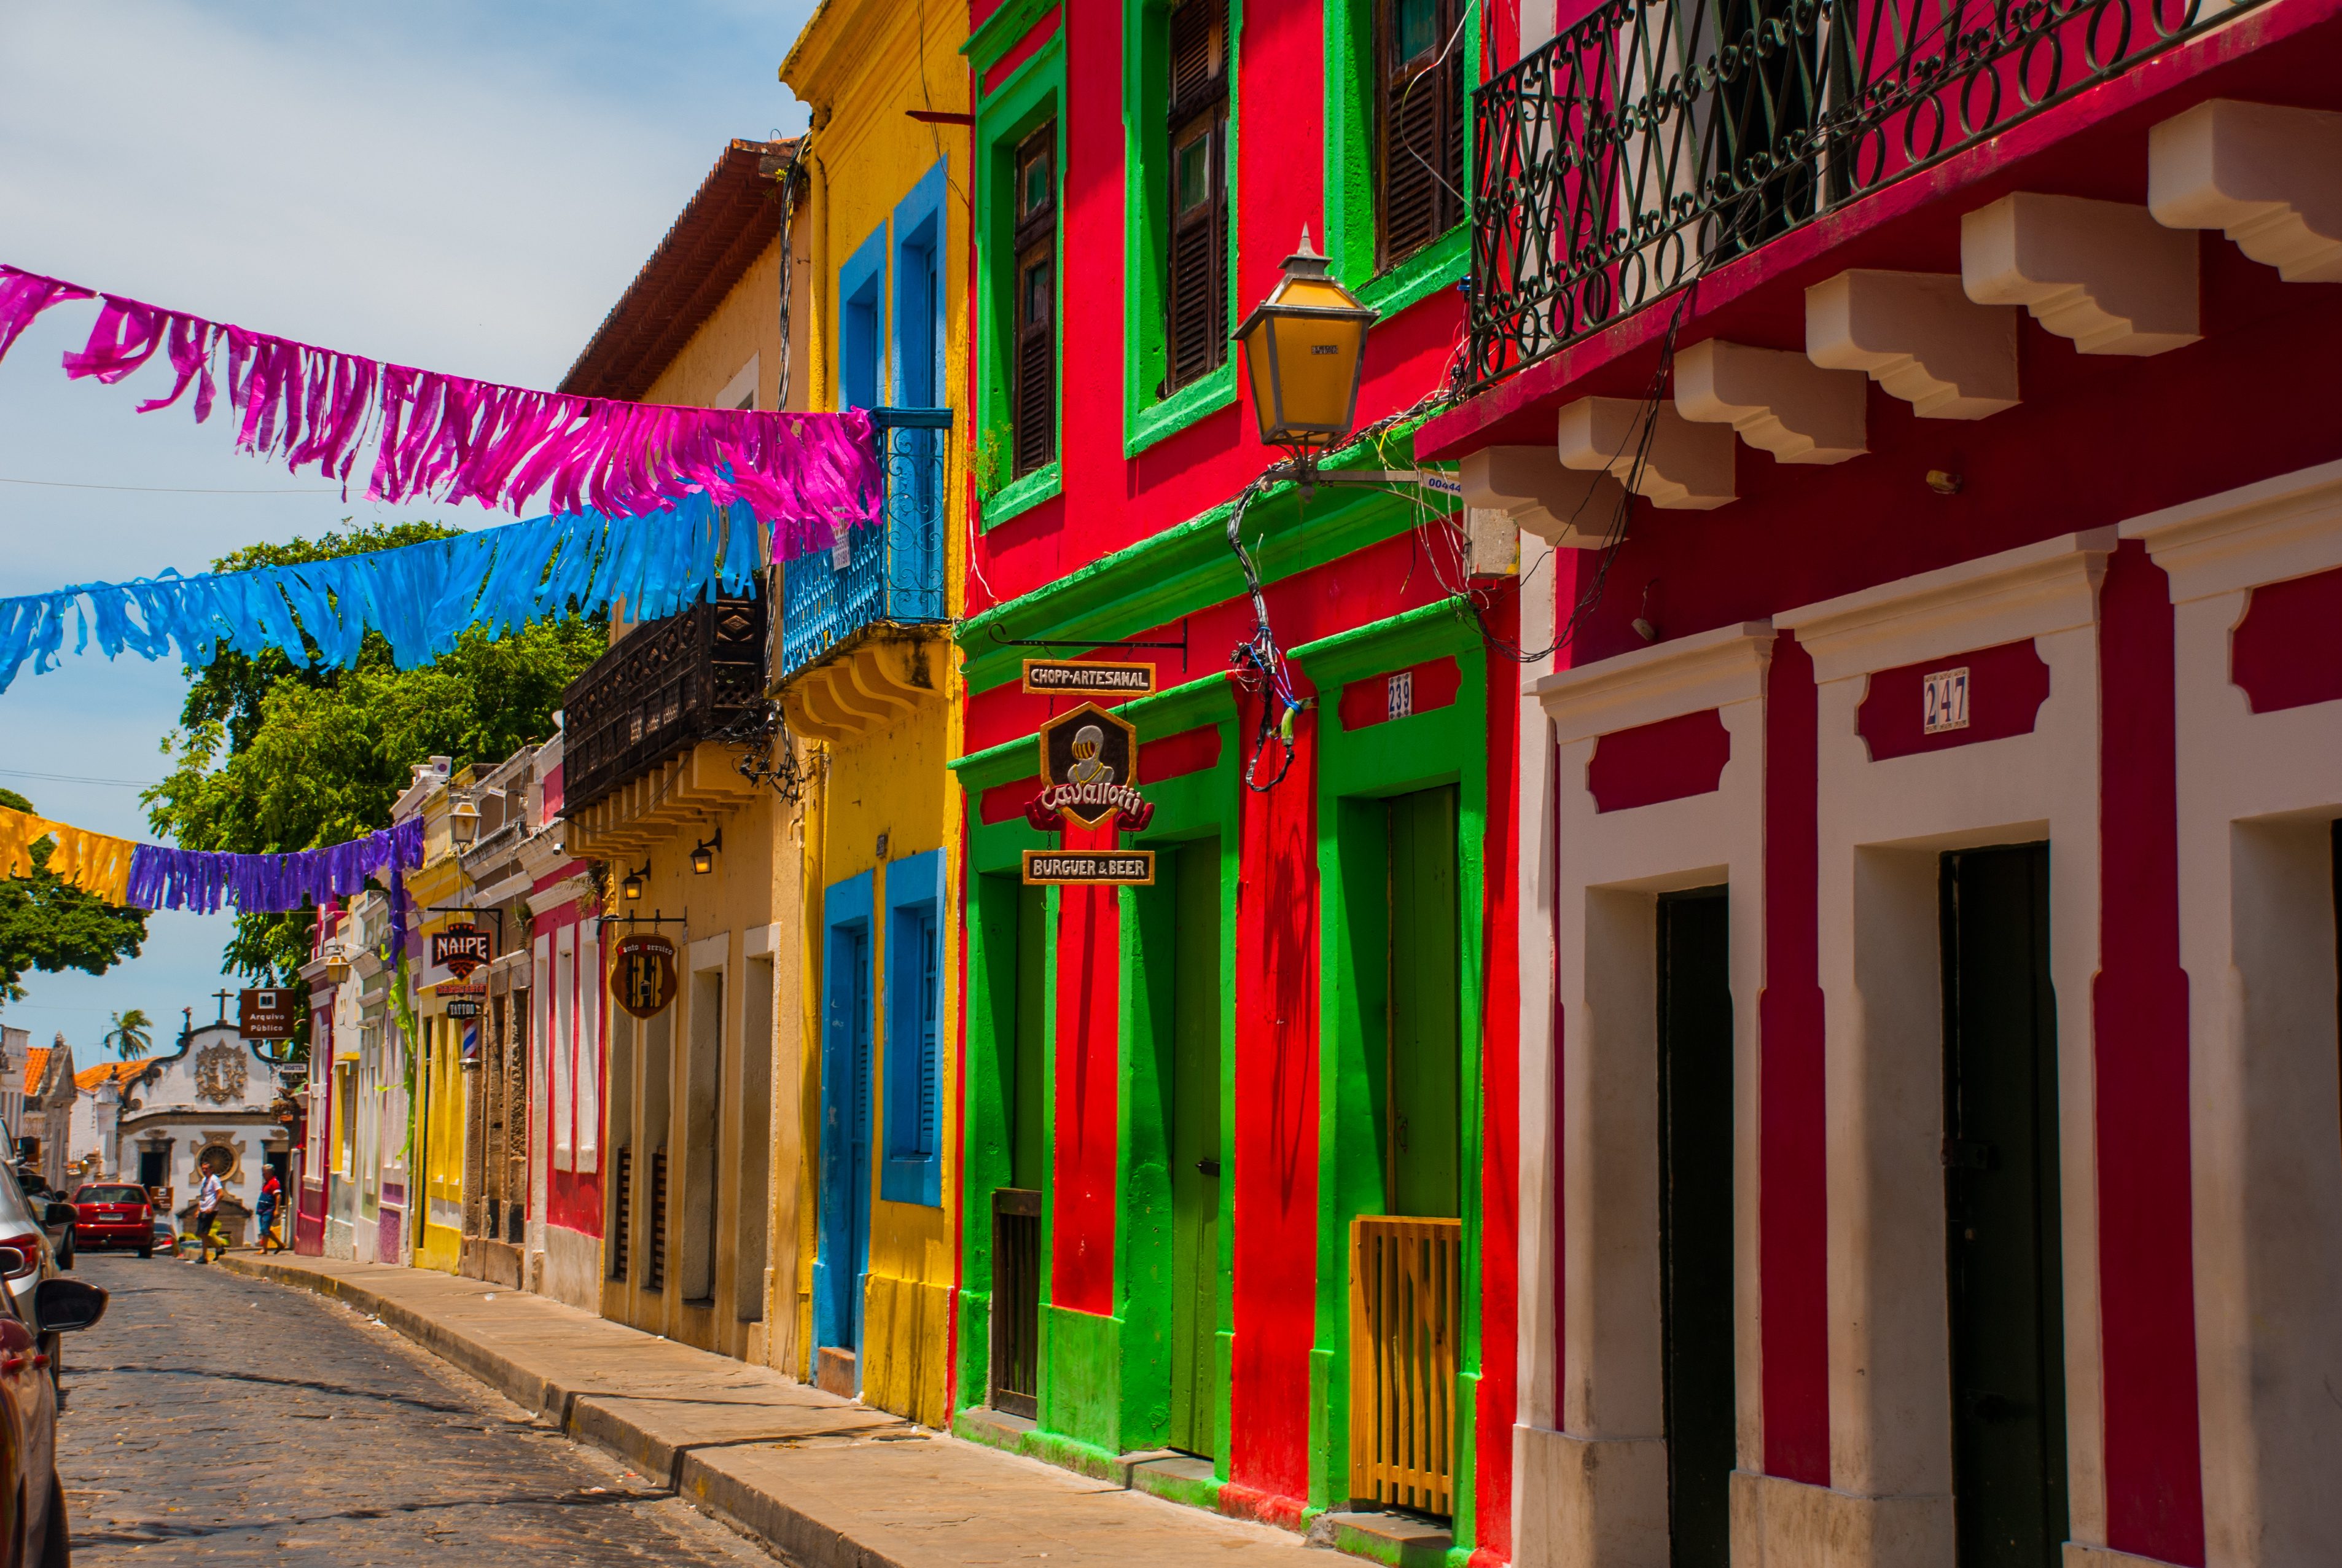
(420, 597)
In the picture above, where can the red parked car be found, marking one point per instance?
(114, 1214)
(34, 1530)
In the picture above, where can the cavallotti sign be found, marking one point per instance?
(1089, 776)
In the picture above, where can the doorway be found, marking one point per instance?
(845, 1145)
(1697, 1389)
(1194, 1144)
(2001, 1210)
(154, 1168)
(1423, 1067)
(1017, 1207)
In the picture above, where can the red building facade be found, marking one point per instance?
(1930, 1138)
(1239, 1146)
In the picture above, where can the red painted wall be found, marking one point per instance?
(2155, 1498)
(1500, 1119)
(1792, 1203)
(1088, 1030)
(1275, 1139)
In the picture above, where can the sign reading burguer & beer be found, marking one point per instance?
(642, 974)
(460, 949)
(1090, 769)
(1056, 677)
(1114, 867)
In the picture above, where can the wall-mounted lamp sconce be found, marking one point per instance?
(337, 963)
(463, 821)
(703, 857)
(632, 888)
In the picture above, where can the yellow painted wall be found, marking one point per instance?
(862, 64)
(747, 324)
(438, 1162)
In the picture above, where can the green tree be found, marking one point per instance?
(272, 755)
(131, 1033)
(51, 926)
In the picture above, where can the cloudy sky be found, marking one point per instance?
(465, 187)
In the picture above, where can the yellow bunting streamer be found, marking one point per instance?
(91, 861)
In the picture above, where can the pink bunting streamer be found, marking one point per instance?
(456, 439)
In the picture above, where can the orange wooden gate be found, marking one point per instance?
(1405, 1281)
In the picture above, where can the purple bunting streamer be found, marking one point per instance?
(206, 882)
(808, 475)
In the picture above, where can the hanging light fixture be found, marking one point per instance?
(463, 821)
(703, 856)
(1305, 349)
(337, 963)
(632, 888)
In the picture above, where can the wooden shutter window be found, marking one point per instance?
(1419, 161)
(1032, 393)
(1196, 283)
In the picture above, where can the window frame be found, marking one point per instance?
(1350, 178)
(1030, 95)
(911, 1061)
(1152, 410)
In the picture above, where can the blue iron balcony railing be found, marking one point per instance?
(894, 568)
(1656, 138)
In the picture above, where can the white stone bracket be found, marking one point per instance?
(1685, 467)
(1776, 402)
(2103, 274)
(2269, 177)
(1920, 337)
(1566, 509)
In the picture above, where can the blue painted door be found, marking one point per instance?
(845, 1253)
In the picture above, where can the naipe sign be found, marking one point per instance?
(642, 974)
(266, 1014)
(460, 949)
(1056, 677)
(1115, 868)
(1089, 770)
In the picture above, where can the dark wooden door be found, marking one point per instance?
(1194, 1150)
(1016, 1260)
(2001, 1210)
(1425, 1068)
(1696, 1246)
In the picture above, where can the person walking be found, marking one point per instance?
(208, 1197)
(264, 1214)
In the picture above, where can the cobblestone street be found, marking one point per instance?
(213, 1417)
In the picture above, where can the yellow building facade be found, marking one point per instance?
(867, 681)
(668, 784)
(435, 1215)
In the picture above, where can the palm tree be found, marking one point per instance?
(130, 1034)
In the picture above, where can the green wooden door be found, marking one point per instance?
(1423, 1068)
(1195, 1149)
(2001, 1208)
(1696, 1245)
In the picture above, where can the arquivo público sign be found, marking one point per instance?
(1089, 772)
(1089, 867)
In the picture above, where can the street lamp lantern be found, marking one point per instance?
(337, 963)
(703, 856)
(1305, 350)
(632, 888)
(463, 821)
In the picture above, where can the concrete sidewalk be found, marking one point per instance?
(827, 1483)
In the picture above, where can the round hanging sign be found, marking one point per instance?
(642, 974)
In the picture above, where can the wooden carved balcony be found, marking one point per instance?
(661, 691)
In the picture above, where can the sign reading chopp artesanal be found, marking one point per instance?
(1055, 677)
(1116, 868)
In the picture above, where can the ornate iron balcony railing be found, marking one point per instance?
(1652, 140)
(894, 568)
(665, 687)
